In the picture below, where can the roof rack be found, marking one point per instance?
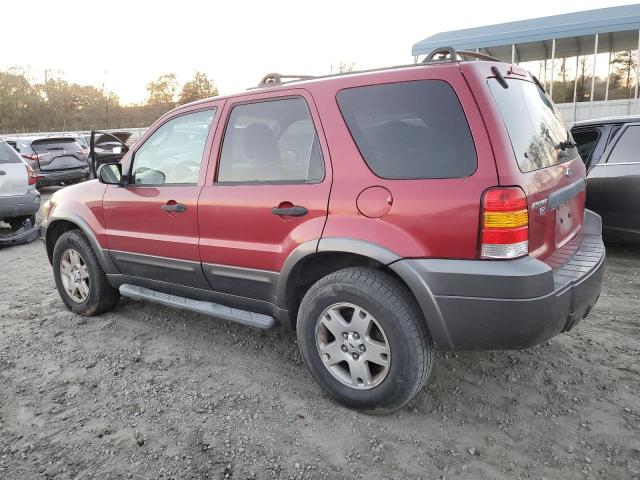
(450, 54)
(276, 78)
(439, 55)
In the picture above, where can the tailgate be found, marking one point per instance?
(543, 161)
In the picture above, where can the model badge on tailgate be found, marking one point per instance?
(541, 206)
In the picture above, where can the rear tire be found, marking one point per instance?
(364, 340)
(81, 282)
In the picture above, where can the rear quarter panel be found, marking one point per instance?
(428, 217)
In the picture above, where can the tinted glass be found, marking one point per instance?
(8, 154)
(173, 153)
(410, 129)
(54, 145)
(587, 141)
(273, 141)
(627, 149)
(536, 129)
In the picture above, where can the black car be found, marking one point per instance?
(55, 160)
(610, 148)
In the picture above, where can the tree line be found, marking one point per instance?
(622, 79)
(58, 105)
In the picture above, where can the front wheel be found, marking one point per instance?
(81, 282)
(364, 340)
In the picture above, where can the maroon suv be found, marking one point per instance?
(382, 214)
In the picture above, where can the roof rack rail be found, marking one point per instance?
(450, 54)
(276, 78)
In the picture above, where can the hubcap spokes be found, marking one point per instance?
(353, 346)
(74, 275)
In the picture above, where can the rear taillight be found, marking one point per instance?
(504, 224)
(31, 175)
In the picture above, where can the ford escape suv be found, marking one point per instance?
(382, 214)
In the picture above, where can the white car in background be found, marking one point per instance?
(19, 199)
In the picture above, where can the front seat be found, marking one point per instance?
(261, 149)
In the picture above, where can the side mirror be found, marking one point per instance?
(110, 174)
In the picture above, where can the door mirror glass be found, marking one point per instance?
(110, 174)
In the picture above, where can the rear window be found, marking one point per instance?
(55, 144)
(587, 141)
(536, 129)
(410, 130)
(8, 154)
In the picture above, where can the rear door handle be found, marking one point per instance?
(174, 207)
(295, 211)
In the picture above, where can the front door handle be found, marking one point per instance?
(174, 207)
(295, 211)
(2, 172)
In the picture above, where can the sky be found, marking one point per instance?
(123, 45)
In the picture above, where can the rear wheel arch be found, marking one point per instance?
(306, 265)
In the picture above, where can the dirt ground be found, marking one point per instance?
(150, 392)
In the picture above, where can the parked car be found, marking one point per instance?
(107, 147)
(382, 214)
(19, 199)
(610, 148)
(55, 160)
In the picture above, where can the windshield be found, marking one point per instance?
(537, 132)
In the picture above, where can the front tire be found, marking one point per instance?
(364, 340)
(80, 280)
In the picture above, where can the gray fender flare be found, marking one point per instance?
(419, 289)
(103, 254)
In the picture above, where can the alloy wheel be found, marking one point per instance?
(352, 346)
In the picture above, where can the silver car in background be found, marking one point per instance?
(19, 199)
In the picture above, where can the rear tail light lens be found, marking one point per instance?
(31, 175)
(504, 225)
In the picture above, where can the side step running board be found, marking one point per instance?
(251, 319)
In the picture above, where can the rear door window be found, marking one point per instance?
(410, 130)
(271, 141)
(587, 141)
(537, 131)
(8, 154)
(627, 148)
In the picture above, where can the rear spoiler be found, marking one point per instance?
(39, 141)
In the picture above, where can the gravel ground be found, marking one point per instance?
(151, 392)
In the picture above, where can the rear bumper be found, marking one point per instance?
(20, 205)
(490, 305)
(45, 178)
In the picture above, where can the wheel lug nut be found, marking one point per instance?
(355, 356)
(345, 335)
(356, 335)
(363, 348)
(344, 348)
